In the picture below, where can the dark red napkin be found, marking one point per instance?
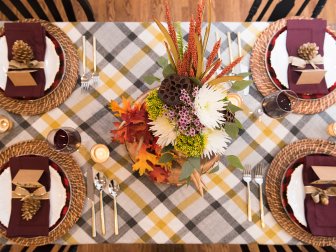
(298, 33)
(39, 224)
(321, 219)
(34, 35)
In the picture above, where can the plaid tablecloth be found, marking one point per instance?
(151, 213)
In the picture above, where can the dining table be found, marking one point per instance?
(156, 213)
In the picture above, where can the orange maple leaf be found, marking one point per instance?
(145, 160)
(120, 110)
(158, 174)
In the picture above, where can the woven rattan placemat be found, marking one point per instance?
(64, 88)
(264, 83)
(73, 174)
(281, 162)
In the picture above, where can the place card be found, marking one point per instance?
(28, 178)
(22, 78)
(326, 174)
(310, 76)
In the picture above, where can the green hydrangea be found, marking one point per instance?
(154, 105)
(190, 146)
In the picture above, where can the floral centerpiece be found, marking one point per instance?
(177, 131)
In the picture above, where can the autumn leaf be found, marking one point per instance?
(145, 160)
(134, 125)
(158, 174)
(120, 110)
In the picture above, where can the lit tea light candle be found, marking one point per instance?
(100, 153)
(332, 129)
(5, 124)
(235, 99)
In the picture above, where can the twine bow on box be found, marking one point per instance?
(31, 200)
(320, 195)
(307, 54)
(23, 57)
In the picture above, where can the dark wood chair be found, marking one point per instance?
(44, 9)
(282, 9)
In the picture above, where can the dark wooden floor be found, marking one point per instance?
(145, 10)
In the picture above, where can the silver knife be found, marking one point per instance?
(90, 196)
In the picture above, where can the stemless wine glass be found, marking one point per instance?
(64, 139)
(278, 104)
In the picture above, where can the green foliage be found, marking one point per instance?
(233, 108)
(240, 85)
(167, 148)
(196, 81)
(166, 158)
(215, 169)
(154, 105)
(244, 74)
(150, 79)
(179, 37)
(234, 161)
(168, 70)
(162, 61)
(231, 129)
(189, 166)
(190, 146)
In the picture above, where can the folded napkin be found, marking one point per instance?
(320, 218)
(39, 224)
(298, 33)
(34, 35)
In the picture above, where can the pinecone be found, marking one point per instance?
(229, 116)
(170, 89)
(29, 208)
(308, 51)
(22, 52)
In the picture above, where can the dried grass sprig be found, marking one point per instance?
(199, 19)
(228, 68)
(192, 42)
(171, 27)
(213, 53)
(213, 70)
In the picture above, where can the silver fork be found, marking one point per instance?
(247, 177)
(84, 78)
(95, 74)
(259, 179)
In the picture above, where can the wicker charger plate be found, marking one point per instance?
(77, 187)
(275, 174)
(264, 83)
(64, 88)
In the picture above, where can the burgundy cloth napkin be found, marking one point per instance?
(321, 219)
(298, 33)
(34, 35)
(39, 224)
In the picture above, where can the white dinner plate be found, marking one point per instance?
(51, 63)
(296, 195)
(57, 196)
(279, 59)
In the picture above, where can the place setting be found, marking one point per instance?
(300, 190)
(39, 67)
(304, 64)
(43, 191)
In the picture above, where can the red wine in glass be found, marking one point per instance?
(279, 104)
(64, 139)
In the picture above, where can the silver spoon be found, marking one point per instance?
(113, 189)
(100, 183)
